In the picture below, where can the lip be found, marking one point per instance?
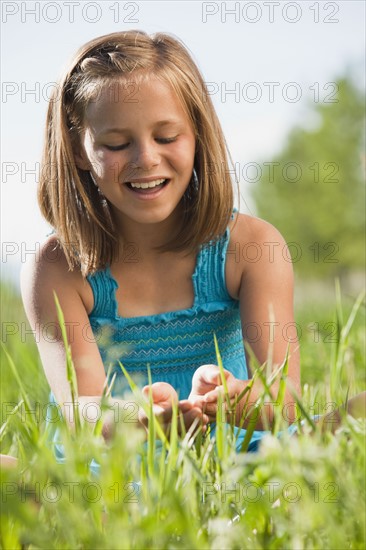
(148, 196)
(146, 180)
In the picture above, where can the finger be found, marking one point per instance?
(193, 413)
(160, 391)
(184, 403)
(195, 416)
(193, 427)
(165, 390)
(186, 422)
(184, 406)
(208, 373)
(147, 391)
(143, 418)
(213, 395)
(165, 415)
(198, 401)
(210, 411)
(185, 419)
(198, 413)
(212, 374)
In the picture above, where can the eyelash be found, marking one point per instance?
(125, 145)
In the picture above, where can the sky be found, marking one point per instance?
(265, 64)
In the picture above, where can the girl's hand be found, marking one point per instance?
(207, 385)
(164, 395)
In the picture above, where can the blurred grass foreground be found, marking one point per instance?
(304, 492)
(296, 492)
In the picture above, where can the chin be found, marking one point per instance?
(153, 217)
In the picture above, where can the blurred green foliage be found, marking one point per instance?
(305, 492)
(314, 190)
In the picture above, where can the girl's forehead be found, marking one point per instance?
(130, 87)
(130, 97)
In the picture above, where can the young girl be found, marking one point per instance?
(148, 258)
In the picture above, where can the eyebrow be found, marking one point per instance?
(159, 124)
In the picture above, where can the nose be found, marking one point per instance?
(145, 155)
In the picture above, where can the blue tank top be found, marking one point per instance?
(176, 343)
(173, 344)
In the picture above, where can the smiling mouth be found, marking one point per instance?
(147, 187)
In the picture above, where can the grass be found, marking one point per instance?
(300, 492)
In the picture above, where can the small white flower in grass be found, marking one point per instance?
(270, 445)
(276, 504)
(133, 439)
(218, 526)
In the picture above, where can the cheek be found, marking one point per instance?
(183, 154)
(106, 166)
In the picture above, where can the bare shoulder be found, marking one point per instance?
(47, 271)
(47, 265)
(255, 247)
(249, 229)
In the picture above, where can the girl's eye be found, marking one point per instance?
(116, 147)
(125, 145)
(166, 140)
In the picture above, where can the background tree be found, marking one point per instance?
(314, 190)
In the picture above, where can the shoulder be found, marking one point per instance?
(47, 264)
(255, 248)
(46, 272)
(248, 230)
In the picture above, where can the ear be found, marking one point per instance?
(80, 156)
(81, 159)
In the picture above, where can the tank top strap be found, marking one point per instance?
(209, 278)
(104, 288)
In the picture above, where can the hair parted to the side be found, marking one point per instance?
(67, 195)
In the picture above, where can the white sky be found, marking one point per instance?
(248, 46)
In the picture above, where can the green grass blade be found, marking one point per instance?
(356, 306)
(230, 409)
(220, 365)
(300, 405)
(339, 309)
(104, 402)
(251, 425)
(70, 369)
(151, 431)
(173, 451)
(18, 380)
(281, 394)
(5, 425)
(137, 392)
(219, 434)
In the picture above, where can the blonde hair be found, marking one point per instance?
(67, 195)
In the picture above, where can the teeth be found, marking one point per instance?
(146, 185)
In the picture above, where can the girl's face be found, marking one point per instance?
(139, 145)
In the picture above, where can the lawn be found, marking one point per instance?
(296, 492)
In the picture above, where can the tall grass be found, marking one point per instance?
(178, 491)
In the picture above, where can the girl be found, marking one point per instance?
(135, 182)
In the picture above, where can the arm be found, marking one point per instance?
(266, 303)
(46, 273)
(265, 291)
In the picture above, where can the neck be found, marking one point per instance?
(142, 239)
